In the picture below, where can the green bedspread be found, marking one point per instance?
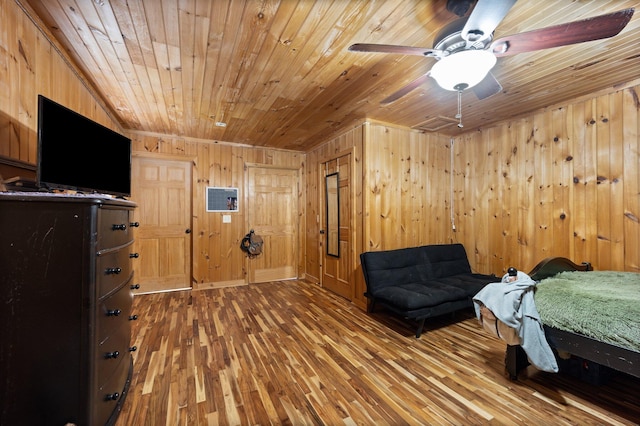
(603, 305)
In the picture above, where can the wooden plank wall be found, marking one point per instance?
(562, 181)
(406, 188)
(217, 258)
(559, 182)
(31, 64)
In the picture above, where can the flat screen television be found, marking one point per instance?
(76, 153)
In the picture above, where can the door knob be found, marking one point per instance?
(188, 231)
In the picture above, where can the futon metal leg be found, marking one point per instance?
(420, 326)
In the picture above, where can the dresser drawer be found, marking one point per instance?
(111, 353)
(113, 268)
(114, 227)
(114, 312)
(108, 394)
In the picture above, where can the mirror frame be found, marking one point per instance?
(332, 204)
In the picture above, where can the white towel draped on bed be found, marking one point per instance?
(513, 304)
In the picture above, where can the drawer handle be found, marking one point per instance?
(135, 286)
(133, 317)
(133, 255)
(113, 271)
(119, 227)
(133, 348)
(113, 312)
(134, 224)
(112, 355)
(112, 396)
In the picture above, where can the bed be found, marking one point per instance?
(615, 350)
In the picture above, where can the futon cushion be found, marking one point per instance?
(418, 295)
(447, 259)
(468, 284)
(395, 267)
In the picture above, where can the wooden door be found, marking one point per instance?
(162, 190)
(336, 270)
(272, 200)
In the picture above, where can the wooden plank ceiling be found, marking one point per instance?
(279, 74)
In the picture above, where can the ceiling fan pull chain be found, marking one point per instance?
(459, 114)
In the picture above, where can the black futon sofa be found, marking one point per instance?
(421, 282)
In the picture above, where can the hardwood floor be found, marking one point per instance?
(290, 352)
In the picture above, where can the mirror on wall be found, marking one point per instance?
(333, 215)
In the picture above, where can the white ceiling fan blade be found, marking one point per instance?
(484, 18)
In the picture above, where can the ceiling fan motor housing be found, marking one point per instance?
(459, 7)
(449, 39)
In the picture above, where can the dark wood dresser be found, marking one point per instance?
(66, 277)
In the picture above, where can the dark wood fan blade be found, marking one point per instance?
(484, 18)
(487, 87)
(406, 89)
(391, 48)
(599, 27)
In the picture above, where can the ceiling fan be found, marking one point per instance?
(466, 52)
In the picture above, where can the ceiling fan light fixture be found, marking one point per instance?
(463, 70)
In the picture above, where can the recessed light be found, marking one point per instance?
(221, 124)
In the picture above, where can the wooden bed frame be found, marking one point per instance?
(601, 353)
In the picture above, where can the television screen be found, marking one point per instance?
(77, 153)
